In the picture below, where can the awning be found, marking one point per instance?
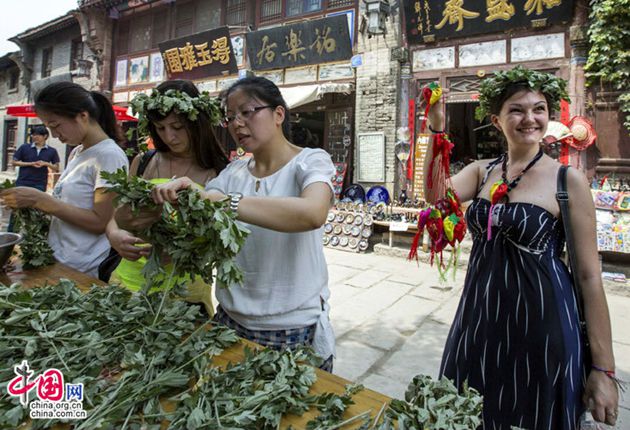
(28, 111)
(304, 94)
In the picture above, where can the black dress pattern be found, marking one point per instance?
(515, 336)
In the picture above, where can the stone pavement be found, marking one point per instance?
(391, 318)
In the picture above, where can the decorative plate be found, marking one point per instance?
(334, 241)
(343, 241)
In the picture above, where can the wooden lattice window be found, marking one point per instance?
(270, 10)
(333, 4)
(236, 12)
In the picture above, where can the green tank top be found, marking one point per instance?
(129, 273)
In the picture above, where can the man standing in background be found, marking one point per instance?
(35, 159)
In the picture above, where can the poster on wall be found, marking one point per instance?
(371, 153)
(121, 73)
(138, 70)
(157, 67)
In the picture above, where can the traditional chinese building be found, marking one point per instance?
(458, 42)
(51, 52)
(304, 46)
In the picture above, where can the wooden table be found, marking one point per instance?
(326, 382)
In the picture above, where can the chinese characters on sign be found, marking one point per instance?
(55, 399)
(320, 41)
(440, 19)
(200, 55)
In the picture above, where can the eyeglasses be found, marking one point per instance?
(243, 115)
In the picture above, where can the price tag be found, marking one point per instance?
(398, 226)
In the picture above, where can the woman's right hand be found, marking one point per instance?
(168, 192)
(127, 220)
(128, 246)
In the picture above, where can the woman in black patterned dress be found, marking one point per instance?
(515, 336)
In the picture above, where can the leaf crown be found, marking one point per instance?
(494, 87)
(174, 101)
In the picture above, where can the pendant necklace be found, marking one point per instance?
(500, 189)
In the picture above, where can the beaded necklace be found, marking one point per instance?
(500, 189)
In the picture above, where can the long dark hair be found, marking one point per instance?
(68, 99)
(267, 92)
(203, 142)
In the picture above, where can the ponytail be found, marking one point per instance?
(105, 116)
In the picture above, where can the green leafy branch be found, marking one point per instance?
(609, 54)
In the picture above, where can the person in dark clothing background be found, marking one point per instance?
(35, 159)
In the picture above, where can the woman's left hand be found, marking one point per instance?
(601, 397)
(22, 197)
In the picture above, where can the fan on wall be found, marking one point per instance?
(583, 133)
(556, 136)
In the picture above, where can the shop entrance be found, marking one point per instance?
(473, 140)
(307, 129)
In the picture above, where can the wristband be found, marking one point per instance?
(621, 385)
(435, 131)
(609, 373)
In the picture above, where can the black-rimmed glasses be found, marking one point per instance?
(243, 115)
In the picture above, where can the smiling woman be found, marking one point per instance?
(79, 206)
(517, 327)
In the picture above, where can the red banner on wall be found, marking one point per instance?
(412, 129)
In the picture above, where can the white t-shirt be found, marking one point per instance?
(72, 245)
(285, 274)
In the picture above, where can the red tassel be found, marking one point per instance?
(413, 252)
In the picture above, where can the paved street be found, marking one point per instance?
(391, 318)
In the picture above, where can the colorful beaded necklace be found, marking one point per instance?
(500, 189)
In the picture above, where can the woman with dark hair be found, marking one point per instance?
(79, 205)
(516, 335)
(282, 194)
(183, 147)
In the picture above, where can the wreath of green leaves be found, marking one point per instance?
(554, 88)
(174, 101)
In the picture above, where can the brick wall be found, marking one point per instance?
(377, 90)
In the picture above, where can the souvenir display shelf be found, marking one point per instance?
(399, 220)
(612, 212)
(348, 228)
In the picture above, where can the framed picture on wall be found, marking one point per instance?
(139, 70)
(121, 73)
(157, 67)
(371, 154)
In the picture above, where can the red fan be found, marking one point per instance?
(583, 133)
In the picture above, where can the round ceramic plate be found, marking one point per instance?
(334, 241)
(353, 243)
(330, 217)
(337, 229)
(340, 217)
(368, 220)
(343, 241)
(358, 220)
(356, 231)
(349, 219)
(347, 229)
(328, 228)
(366, 232)
(326, 240)
(363, 244)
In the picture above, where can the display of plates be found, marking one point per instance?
(356, 231)
(328, 228)
(349, 219)
(366, 232)
(337, 229)
(378, 194)
(363, 244)
(347, 229)
(353, 243)
(340, 217)
(326, 239)
(358, 220)
(334, 241)
(330, 217)
(343, 241)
